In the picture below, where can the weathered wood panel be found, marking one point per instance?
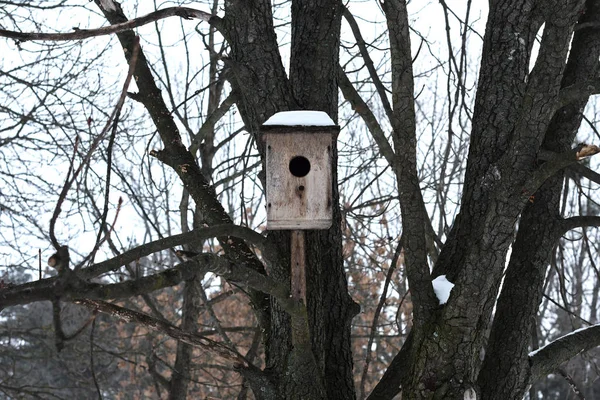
(303, 201)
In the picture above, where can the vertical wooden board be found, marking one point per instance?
(299, 202)
(298, 267)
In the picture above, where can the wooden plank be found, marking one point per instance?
(297, 270)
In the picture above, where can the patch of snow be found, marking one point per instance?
(108, 5)
(302, 118)
(442, 288)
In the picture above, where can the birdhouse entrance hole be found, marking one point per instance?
(299, 166)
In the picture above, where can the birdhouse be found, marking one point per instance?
(299, 161)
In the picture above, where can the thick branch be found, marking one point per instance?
(556, 162)
(578, 222)
(72, 287)
(578, 91)
(414, 217)
(197, 235)
(585, 172)
(174, 152)
(547, 359)
(183, 12)
(241, 275)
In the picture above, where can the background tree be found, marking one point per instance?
(205, 294)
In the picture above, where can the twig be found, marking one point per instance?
(382, 300)
(557, 304)
(78, 331)
(106, 236)
(183, 12)
(104, 215)
(116, 111)
(166, 328)
(61, 197)
(59, 335)
(92, 357)
(571, 383)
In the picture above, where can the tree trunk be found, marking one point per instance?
(260, 79)
(513, 110)
(505, 371)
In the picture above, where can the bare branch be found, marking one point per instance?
(586, 172)
(555, 162)
(166, 328)
(414, 214)
(547, 359)
(73, 288)
(364, 52)
(183, 12)
(578, 222)
(382, 301)
(578, 91)
(62, 196)
(113, 117)
(362, 109)
(571, 383)
(390, 384)
(212, 120)
(247, 234)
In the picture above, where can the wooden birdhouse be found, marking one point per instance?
(299, 163)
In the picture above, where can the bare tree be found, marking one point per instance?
(206, 294)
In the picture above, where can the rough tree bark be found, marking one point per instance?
(511, 120)
(312, 85)
(505, 371)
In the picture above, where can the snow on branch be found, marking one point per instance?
(77, 34)
(547, 359)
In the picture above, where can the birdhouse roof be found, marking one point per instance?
(300, 118)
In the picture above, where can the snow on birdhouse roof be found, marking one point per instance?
(300, 118)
